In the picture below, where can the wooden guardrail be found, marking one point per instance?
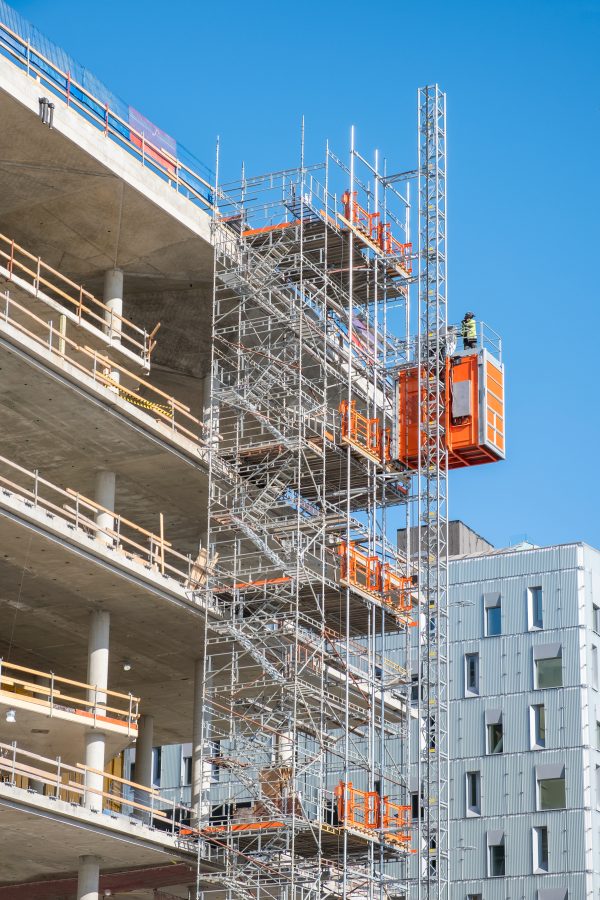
(49, 284)
(135, 542)
(90, 362)
(50, 692)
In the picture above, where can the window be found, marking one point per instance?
(594, 667)
(538, 726)
(471, 674)
(186, 770)
(540, 849)
(473, 793)
(414, 689)
(492, 604)
(496, 854)
(156, 766)
(214, 749)
(596, 618)
(535, 608)
(547, 661)
(551, 786)
(494, 730)
(597, 787)
(474, 897)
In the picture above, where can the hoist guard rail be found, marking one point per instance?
(158, 160)
(79, 511)
(369, 574)
(365, 433)
(368, 811)
(52, 694)
(74, 296)
(94, 365)
(70, 784)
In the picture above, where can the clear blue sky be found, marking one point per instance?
(524, 202)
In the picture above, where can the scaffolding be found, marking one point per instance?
(307, 666)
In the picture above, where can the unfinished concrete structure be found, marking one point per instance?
(195, 520)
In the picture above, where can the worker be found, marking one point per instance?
(469, 331)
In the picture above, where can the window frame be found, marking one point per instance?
(488, 744)
(539, 838)
(473, 810)
(536, 740)
(532, 596)
(471, 691)
(547, 654)
(491, 848)
(489, 610)
(539, 783)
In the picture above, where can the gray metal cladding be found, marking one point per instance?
(170, 768)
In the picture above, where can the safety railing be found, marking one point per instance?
(371, 576)
(486, 339)
(95, 365)
(365, 433)
(378, 232)
(157, 159)
(48, 284)
(50, 692)
(125, 537)
(78, 784)
(369, 812)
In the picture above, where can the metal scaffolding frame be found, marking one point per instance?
(307, 671)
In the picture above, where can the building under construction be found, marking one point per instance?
(220, 402)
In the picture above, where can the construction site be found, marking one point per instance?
(220, 401)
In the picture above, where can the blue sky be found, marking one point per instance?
(524, 128)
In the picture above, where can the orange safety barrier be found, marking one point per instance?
(368, 811)
(365, 221)
(393, 247)
(365, 433)
(396, 588)
(370, 575)
(359, 569)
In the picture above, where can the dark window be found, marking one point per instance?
(493, 620)
(473, 793)
(538, 722)
(548, 672)
(472, 673)
(187, 770)
(156, 766)
(495, 738)
(536, 609)
(540, 849)
(552, 793)
(496, 860)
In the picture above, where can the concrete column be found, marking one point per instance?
(97, 676)
(105, 496)
(88, 878)
(113, 298)
(143, 763)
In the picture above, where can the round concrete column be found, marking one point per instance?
(143, 763)
(88, 878)
(113, 298)
(98, 645)
(105, 496)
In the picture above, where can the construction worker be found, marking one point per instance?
(469, 331)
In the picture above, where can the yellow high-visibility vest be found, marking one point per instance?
(469, 329)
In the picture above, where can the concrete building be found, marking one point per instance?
(525, 721)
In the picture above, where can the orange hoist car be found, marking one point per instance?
(367, 811)
(474, 411)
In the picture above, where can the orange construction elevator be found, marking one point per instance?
(474, 411)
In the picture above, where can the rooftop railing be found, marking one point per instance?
(171, 169)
